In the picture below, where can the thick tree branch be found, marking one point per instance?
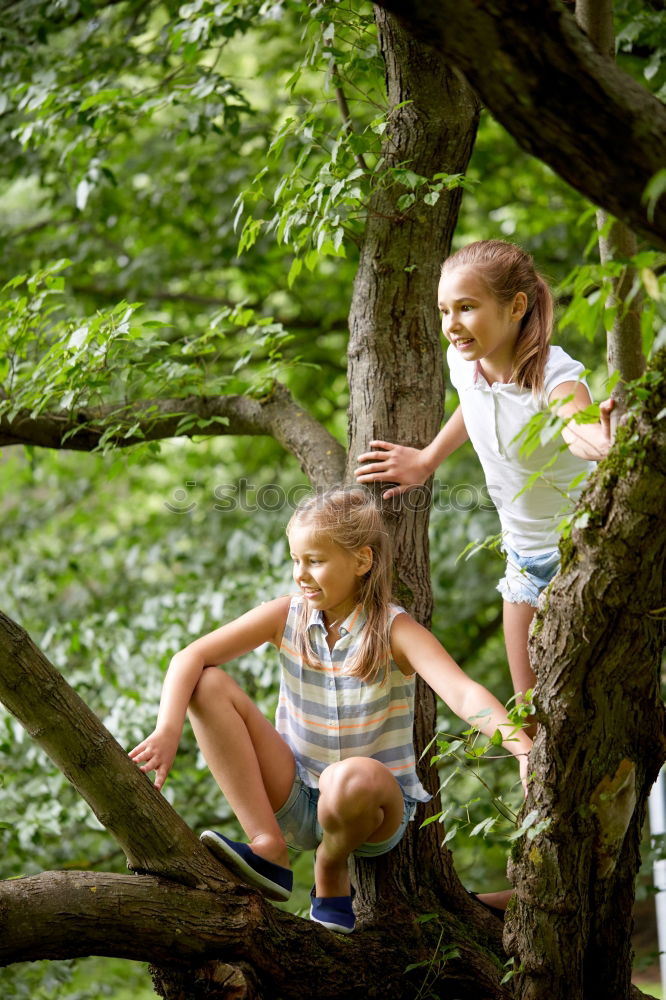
(140, 917)
(319, 454)
(561, 100)
(144, 918)
(154, 838)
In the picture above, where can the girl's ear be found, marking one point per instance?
(363, 560)
(519, 306)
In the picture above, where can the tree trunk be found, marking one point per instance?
(596, 647)
(396, 366)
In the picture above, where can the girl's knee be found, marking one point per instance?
(213, 688)
(355, 781)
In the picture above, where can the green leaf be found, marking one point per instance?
(431, 819)
(294, 270)
(653, 192)
(407, 177)
(106, 96)
(484, 827)
(651, 283)
(504, 810)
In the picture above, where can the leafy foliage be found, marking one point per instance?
(591, 306)
(115, 358)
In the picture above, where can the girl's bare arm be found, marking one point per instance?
(415, 649)
(263, 624)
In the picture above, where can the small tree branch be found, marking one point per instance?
(345, 114)
(130, 294)
(343, 106)
(319, 454)
(624, 342)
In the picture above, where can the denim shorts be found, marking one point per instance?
(298, 821)
(526, 576)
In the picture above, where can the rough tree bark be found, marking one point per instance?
(597, 647)
(541, 77)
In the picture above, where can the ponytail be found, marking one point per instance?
(533, 343)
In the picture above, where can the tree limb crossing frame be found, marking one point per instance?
(542, 78)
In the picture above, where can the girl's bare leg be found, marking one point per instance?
(517, 620)
(360, 801)
(249, 760)
(500, 900)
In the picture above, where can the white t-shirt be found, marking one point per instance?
(494, 415)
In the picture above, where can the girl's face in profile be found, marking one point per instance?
(327, 575)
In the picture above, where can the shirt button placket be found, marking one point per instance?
(496, 406)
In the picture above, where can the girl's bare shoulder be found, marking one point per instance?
(403, 630)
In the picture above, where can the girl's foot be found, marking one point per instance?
(335, 912)
(273, 881)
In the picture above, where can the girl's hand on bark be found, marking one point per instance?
(393, 463)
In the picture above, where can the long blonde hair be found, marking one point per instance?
(507, 269)
(350, 518)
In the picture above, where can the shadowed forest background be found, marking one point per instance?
(183, 195)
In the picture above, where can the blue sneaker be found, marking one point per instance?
(334, 912)
(274, 881)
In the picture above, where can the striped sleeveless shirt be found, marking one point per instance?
(325, 715)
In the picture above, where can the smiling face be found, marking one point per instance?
(479, 326)
(328, 576)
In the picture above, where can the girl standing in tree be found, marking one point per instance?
(497, 313)
(337, 773)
